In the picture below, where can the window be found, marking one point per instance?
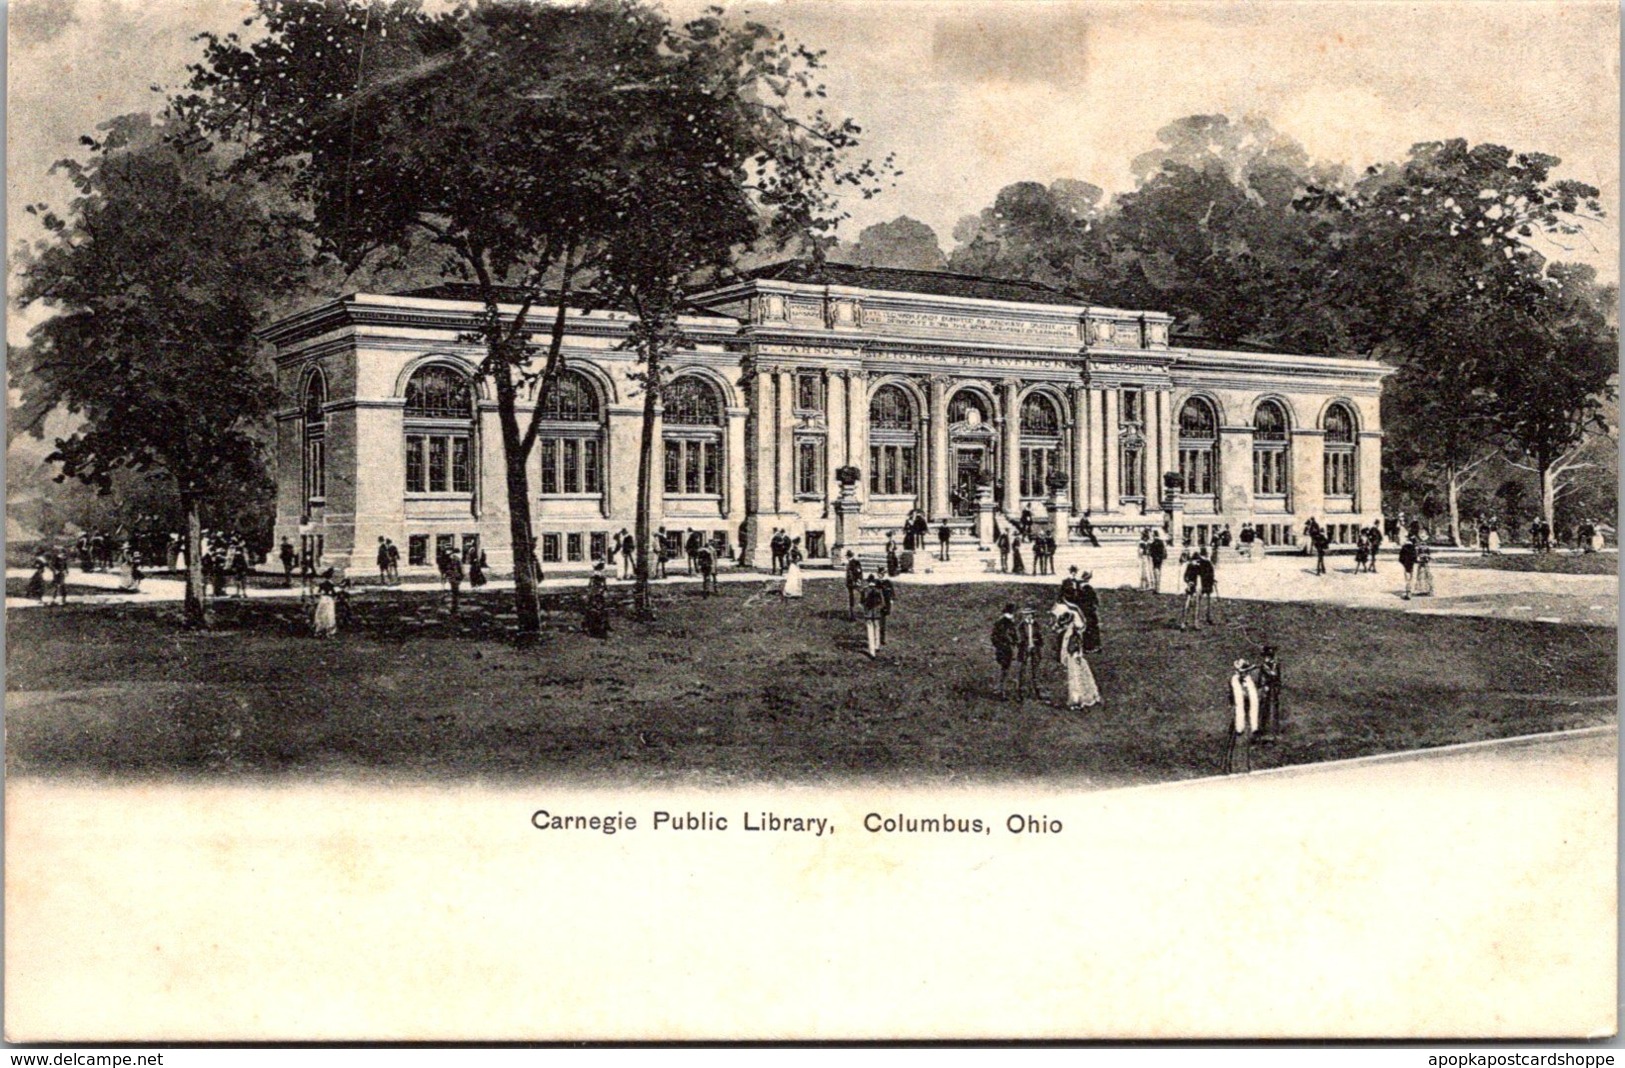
(570, 438)
(809, 467)
(417, 550)
(893, 444)
(693, 438)
(444, 545)
(1198, 447)
(1036, 465)
(439, 431)
(890, 409)
(550, 549)
(892, 470)
(1270, 450)
(573, 548)
(1131, 473)
(1132, 411)
(1040, 444)
(598, 544)
(809, 392)
(315, 439)
(967, 406)
(1038, 417)
(1339, 463)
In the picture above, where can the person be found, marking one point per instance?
(1222, 542)
(595, 609)
(1362, 552)
(1068, 592)
(1321, 544)
(288, 559)
(1086, 529)
(477, 565)
(1002, 539)
(1017, 567)
(1376, 546)
(888, 594)
(706, 558)
(220, 567)
(1025, 523)
(1209, 581)
(341, 603)
(1492, 544)
(1088, 604)
(627, 546)
(891, 553)
(780, 546)
(1069, 627)
(908, 531)
(922, 528)
(1145, 560)
(854, 584)
(394, 561)
(1049, 552)
(1004, 647)
(943, 534)
(1311, 535)
(1192, 575)
(1029, 655)
(82, 549)
(1243, 716)
(324, 617)
(874, 607)
(792, 570)
(35, 590)
(1407, 561)
(451, 570)
(133, 559)
(1424, 570)
(382, 556)
(691, 549)
(1158, 553)
(239, 569)
(1267, 673)
(660, 551)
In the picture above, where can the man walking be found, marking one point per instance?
(1029, 653)
(854, 583)
(394, 561)
(1004, 646)
(1407, 560)
(1002, 539)
(383, 560)
(943, 534)
(1321, 543)
(1158, 552)
(706, 559)
(1190, 610)
(287, 563)
(874, 606)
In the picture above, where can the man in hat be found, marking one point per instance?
(1268, 674)
(595, 611)
(1030, 654)
(854, 583)
(1069, 586)
(874, 613)
(706, 559)
(1158, 552)
(1004, 646)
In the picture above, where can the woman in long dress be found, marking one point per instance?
(36, 581)
(324, 620)
(792, 573)
(1016, 566)
(1069, 626)
(1424, 570)
(1145, 559)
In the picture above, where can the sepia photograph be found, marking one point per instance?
(816, 520)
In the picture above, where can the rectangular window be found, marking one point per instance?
(589, 466)
(1340, 474)
(417, 550)
(906, 463)
(691, 467)
(550, 465)
(462, 472)
(1196, 470)
(809, 468)
(815, 544)
(893, 476)
(674, 467)
(713, 468)
(572, 465)
(809, 393)
(550, 548)
(874, 469)
(1132, 472)
(415, 481)
(1269, 471)
(1131, 406)
(598, 544)
(444, 545)
(572, 548)
(437, 464)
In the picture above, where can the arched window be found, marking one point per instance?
(967, 406)
(1340, 445)
(570, 438)
(1270, 449)
(1040, 444)
(440, 431)
(1198, 447)
(893, 444)
(315, 439)
(693, 437)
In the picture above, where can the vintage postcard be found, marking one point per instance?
(811, 520)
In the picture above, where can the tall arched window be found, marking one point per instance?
(1198, 447)
(440, 431)
(1339, 469)
(1040, 444)
(693, 437)
(893, 443)
(314, 451)
(1270, 435)
(570, 438)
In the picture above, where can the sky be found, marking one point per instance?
(973, 96)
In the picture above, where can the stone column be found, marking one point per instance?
(1094, 418)
(1307, 476)
(847, 508)
(1110, 432)
(937, 502)
(1368, 473)
(1081, 489)
(984, 516)
(760, 482)
(784, 450)
(857, 427)
(1170, 433)
(1010, 446)
(835, 435)
(1236, 470)
(1156, 457)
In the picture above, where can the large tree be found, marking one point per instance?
(507, 136)
(157, 274)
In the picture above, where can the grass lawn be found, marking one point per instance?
(1546, 563)
(745, 687)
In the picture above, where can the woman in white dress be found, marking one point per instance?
(792, 573)
(1424, 570)
(1069, 627)
(1145, 559)
(324, 620)
(126, 572)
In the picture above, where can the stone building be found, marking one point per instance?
(932, 385)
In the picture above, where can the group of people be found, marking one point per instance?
(874, 595)
(1011, 561)
(1255, 704)
(55, 589)
(1074, 621)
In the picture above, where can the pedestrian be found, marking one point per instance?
(888, 594)
(35, 590)
(661, 551)
(691, 549)
(792, 571)
(477, 565)
(1321, 543)
(1311, 534)
(1145, 561)
(1016, 565)
(1243, 716)
(1002, 539)
(59, 577)
(1192, 575)
(1424, 570)
(1069, 587)
(451, 570)
(288, 559)
(854, 584)
(1025, 523)
(1407, 561)
(1376, 546)
(382, 558)
(891, 554)
(1086, 529)
(324, 617)
(595, 608)
(1361, 551)
(1267, 672)
(1088, 605)
(1069, 626)
(706, 558)
(1029, 655)
(943, 534)
(627, 547)
(1209, 580)
(1493, 542)
(1004, 647)
(239, 568)
(874, 605)
(394, 561)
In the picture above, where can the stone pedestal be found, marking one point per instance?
(1175, 508)
(847, 509)
(984, 516)
(1060, 516)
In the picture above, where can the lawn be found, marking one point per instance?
(745, 687)
(1547, 563)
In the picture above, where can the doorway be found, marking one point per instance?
(969, 463)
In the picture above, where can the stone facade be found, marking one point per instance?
(928, 383)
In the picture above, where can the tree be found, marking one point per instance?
(903, 242)
(1031, 231)
(158, 273)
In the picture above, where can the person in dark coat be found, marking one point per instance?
(476, 567)
(1088, 603)
(1268, 673)
(943, 534)
(1086, 529)
(35, 590)
(706, 559)
(1004, 646)
(889, 594)
(854, 583)
(1158, 553)
(595, 610)
(1030, 653)
(1002, 539)
(1407, 560)
(289, 558)
(1321, 544)
(1016, 565)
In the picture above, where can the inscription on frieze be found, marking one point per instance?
(903, 319)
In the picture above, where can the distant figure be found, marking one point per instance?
(1002, 539)
(1158, 553)
(792, 571)
(1145, 561)
(1069, 627)
(1192, 576)
(691, 549)
(324, 618)
(1004, 646)
(59, 577)
(706, 558)
(1025, 523)
(1424, 570)
(239, 569)
(874, 608)
(888, 594)
(595, 610)
(477, 566)
(451, 570)
(1086, 529)
(395, 561)
(1243, 716)
(943, 534)
(288, 560)
(1407, 561)
(1029, 654)
(1321, 543)
(383, 558)
(1016, 565)
(35, 590)
(1268, 675)
(854, 583)
(892, 563)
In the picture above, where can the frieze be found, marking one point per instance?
(906, 319)
(806, 350)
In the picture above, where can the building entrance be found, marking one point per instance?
(970, 462)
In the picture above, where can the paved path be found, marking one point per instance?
(1464, 591)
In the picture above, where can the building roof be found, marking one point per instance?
(468, 291)
(901, 280)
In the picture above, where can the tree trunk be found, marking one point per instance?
(646, 450)
(520, 536)
(1453, 493)
(196, 613)
(1548, 493)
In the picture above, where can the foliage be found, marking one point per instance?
(903, 242)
